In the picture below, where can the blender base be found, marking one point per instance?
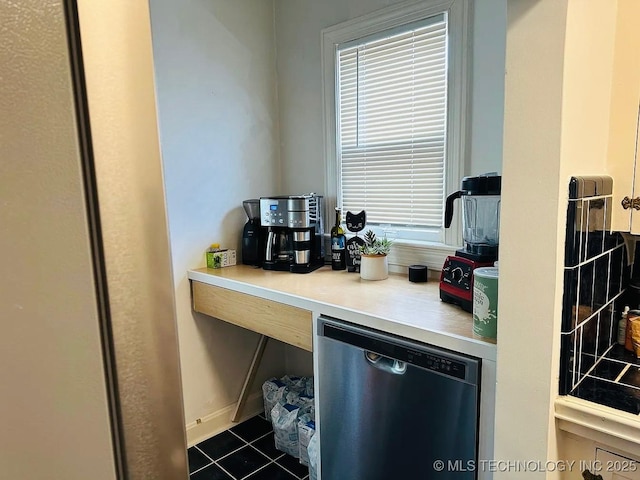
(456, 280)
(466, 305)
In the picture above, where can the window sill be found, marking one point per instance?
(405, 253)
(596, 422)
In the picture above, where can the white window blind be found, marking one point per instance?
(391, 121)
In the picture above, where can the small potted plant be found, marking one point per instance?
(373, 257)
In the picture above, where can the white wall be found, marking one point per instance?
(298, 27)
(556, 125)
(217, 104)
(487, 96)
(529, 250)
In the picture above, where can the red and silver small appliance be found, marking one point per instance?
(480, 198)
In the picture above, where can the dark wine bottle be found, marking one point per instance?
(338, 245)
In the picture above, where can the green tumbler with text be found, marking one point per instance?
(485, 302)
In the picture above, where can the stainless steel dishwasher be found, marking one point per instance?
(391, 408)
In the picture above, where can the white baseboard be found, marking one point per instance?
(216, 422)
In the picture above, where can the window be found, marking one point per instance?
(395, 99)
(391, 117)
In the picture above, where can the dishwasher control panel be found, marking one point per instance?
(437, 363)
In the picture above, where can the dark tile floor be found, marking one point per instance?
(246, 451)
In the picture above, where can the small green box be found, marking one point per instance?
(223, 258)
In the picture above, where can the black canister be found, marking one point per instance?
(418, 273)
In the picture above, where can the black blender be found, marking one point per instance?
(252, 234)
(480, 232)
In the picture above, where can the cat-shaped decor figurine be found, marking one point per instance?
(355, 223)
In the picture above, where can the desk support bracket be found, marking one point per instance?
(251, 374)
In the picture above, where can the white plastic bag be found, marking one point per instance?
(273, 391)
(314, 457)
(285, 428)
(285, 401)
(301, 385)
(306, 430)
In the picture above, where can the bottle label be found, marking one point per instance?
(338, 252)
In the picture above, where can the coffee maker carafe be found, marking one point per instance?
(294, 232)
(480, 198)
(252, 234)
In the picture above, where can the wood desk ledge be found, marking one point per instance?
(283, 322)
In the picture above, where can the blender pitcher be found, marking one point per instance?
(480, 216)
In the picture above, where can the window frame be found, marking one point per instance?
(458, 110)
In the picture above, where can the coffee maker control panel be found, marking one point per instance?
(279, 212)
(274, 212)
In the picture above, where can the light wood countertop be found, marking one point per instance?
(394, 305)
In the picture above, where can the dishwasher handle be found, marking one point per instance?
(386, 364)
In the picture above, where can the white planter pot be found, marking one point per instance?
(374, 267)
